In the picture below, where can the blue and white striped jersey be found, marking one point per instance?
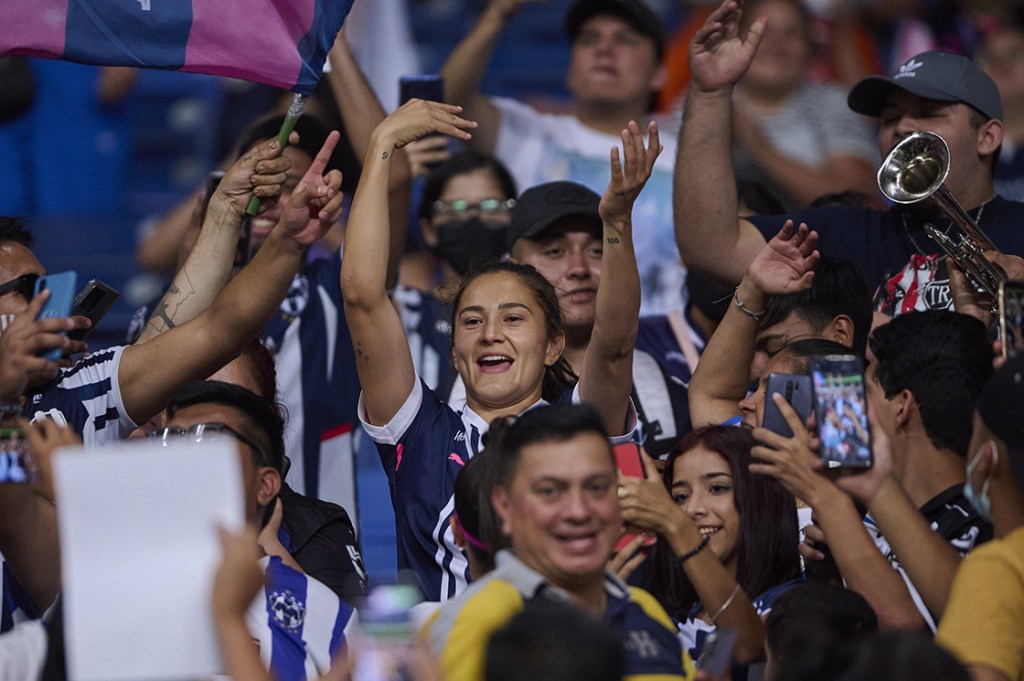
(423, 449)
(428, 327)
(298, 623)
(86, 397)
(316, 377)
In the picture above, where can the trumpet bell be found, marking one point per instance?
(915, 168)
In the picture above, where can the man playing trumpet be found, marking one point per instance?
(934, 91)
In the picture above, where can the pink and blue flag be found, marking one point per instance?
(278, 42)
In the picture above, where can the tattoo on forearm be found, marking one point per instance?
(384, 155)
(361, 353)
(612, 240)
(160, 312)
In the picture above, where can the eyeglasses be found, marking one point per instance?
(204, 432)
(488, 209)
(25, 285)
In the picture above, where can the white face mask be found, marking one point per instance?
(980, 501)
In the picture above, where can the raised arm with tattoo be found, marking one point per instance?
(382, 349)
(607, 375)
(150, 371)
(260, 172)
(361, 113)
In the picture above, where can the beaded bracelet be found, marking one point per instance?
(743, 306)
(696, 549)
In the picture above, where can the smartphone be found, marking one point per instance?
(385, 634)
(15, 464)
(716, 656)
(428, 86)
(630, 464)
(62, 297)
(796, 389)
(841, 411)
(1011, 317)
(93, 301)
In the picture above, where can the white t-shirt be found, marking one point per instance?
(539, 147)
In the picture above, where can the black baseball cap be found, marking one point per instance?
(636, 12)
(541, 206)
(936, 75)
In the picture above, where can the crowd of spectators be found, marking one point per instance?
(602, 354)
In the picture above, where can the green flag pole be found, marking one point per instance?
(294, 112)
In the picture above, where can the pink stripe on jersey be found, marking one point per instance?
(33, 27)
(250, 39)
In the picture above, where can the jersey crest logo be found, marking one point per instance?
(460, 436)
(298, 297)
(288, 611)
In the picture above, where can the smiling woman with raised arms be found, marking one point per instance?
(507, 342)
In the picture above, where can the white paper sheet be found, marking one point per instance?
(139, 549)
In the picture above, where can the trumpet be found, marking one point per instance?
(914, 171)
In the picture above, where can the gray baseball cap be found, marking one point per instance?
(936, 75)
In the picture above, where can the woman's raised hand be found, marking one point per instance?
(418, 118)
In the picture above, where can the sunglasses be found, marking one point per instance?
(25, 285)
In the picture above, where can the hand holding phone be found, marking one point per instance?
(716, 657)
(841, 411)
(629, 462)
(16, 465)
(428, 87)
(1011, 317)
(92, 302)
(62, 295)
(796, 390)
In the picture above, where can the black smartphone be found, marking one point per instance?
(1011, 317)
(841, 411)
(15, 463)
(796, 389)
(428, 86)
(93, 301)
(62, 296)
(716, 656)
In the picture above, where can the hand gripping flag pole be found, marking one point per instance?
(294, 112)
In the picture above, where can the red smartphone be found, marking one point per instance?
(630, 464)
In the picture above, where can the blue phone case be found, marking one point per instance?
(63, 287)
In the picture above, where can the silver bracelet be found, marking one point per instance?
(728, 602)
(743, 306)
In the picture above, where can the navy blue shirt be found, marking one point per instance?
(883, 244)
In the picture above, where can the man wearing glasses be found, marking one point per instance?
(299, 622)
